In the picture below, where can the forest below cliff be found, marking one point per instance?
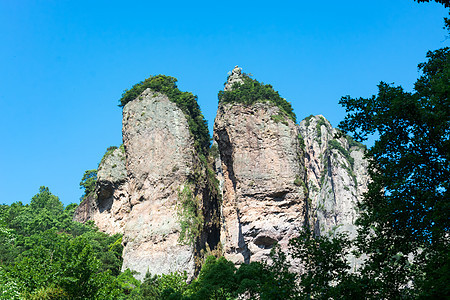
(403, 230)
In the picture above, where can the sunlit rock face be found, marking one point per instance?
(261, 170)
(160, 156)
(275, 179)
(108, 206)
(336, 177)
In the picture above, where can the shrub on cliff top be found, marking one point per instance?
(252, 91)
(186, 101)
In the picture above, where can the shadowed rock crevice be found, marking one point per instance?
(243, 249)
(226, 154)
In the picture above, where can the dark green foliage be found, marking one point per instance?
(354, 144)
(215, 281)
(308, 120)
(301, 142)
(46, 254)
(252, 91)
(446, 3)
(122, 148)
(405, 211)
(320, 122)
(186, 101)
(279, 119)
(326, 272)
(166, 286)
(214, 151)
(88, 183)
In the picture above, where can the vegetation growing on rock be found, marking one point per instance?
(88, 183)
(252, 91)
(186, 101)
(190, 216)
(108, 152)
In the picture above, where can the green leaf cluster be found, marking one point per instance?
(108, 152)
(220, 279)
(252, 91)
(88, 182)
(405, 220)
(44, 254)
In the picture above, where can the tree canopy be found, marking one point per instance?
(405, 222)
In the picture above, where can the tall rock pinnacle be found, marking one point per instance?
(274, 177)
(261, 172)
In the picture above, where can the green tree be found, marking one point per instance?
(44, 254)
(163, 286)
(215, 281)
(88, 182)
(405, 213)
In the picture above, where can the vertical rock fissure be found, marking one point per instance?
(226, 154)
(330, 175)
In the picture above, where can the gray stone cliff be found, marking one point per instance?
(160, 157)
(275, 178)
(336, 177)
(261, 172)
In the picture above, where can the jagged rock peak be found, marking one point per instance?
(235, 76)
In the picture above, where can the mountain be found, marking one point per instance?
(264, 179)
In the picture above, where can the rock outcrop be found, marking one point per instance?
(273, 177)
(234, 77)
(108, 206)
(261, 172)
(336, 177)
(160, 157)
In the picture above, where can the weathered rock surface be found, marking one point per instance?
(274, 176)
(260, 170)
(160, 156)
(235, 77)
(336, 177)
(108, 206)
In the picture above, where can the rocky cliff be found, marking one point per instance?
(336, 178)
(108, 206)
(155, 190)
(159, 159)
(272, 177)
(262, 173)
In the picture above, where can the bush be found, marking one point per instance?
(252, 91)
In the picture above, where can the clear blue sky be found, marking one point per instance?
(64, 65)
